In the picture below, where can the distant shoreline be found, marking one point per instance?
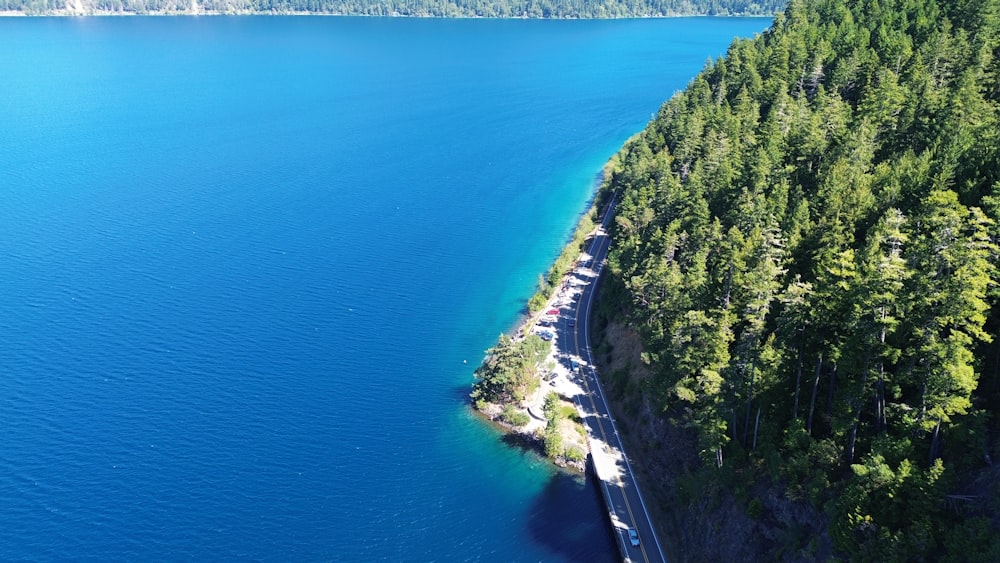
(113, 13)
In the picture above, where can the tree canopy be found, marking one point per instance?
(508, 374)
(806, 243)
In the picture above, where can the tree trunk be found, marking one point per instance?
(923, 397)
(880, 421)
(851, 437)
(859, 403)
(756, 426)
(746, 424)
(935, 444)
(881, 424)
(728, 291)
(829, 397)
(798, 384)
(812, 400)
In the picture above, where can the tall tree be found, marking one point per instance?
(952, 250)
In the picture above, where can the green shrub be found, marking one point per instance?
(569, 412)
(574, 453)
(551, 408)
(553, 444)
(537, 301)
(514, 417)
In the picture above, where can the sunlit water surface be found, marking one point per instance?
(247, 266)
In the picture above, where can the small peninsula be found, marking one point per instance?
(527, 382)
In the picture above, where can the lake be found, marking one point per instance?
(250, 263)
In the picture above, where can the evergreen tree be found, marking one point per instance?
(807, 237)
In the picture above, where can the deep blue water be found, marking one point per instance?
(243, 263)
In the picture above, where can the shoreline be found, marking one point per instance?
(552, 375)
(66, 13)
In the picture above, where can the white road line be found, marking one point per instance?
(590, 360)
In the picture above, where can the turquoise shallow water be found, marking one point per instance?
(244, 261)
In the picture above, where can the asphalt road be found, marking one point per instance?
(619, 488)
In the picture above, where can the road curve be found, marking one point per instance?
(626, 507)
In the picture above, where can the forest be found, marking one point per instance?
(806, 245)
(565, 9)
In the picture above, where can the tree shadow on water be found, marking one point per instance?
(568, 518)
(461, 393)
(523, 443)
